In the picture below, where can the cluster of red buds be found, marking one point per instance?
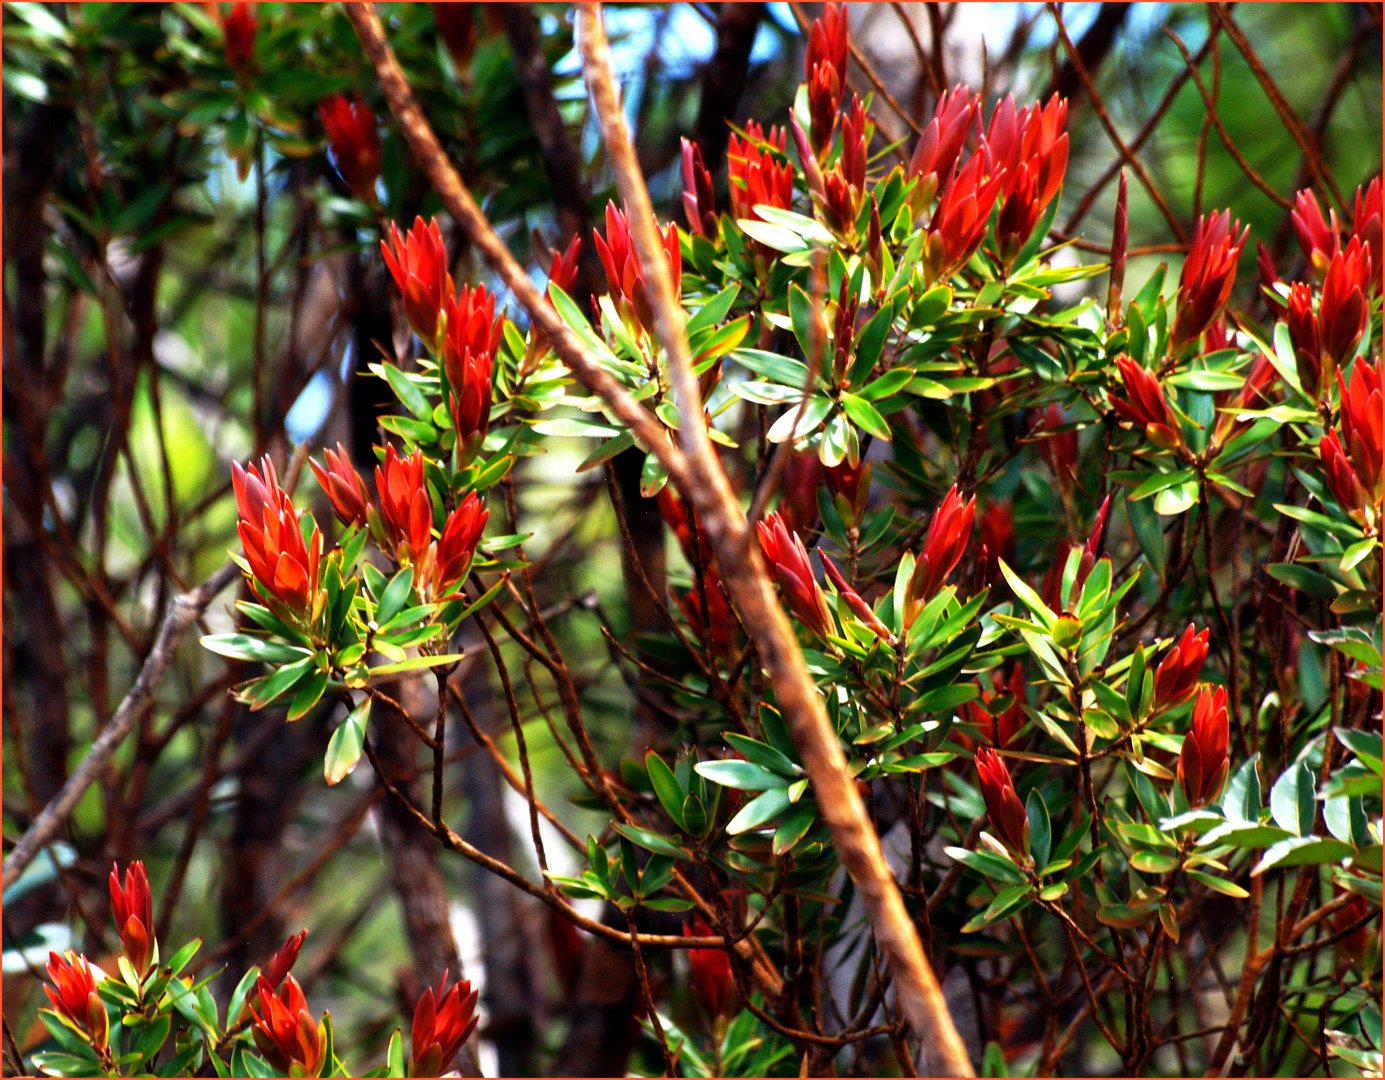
(943, 546)
(285, 568)
(1325, 340)
(1177, 675)
(133, 908)
(825, 67)
(1030, 152)
(1144, 405)
(418, 262)
(757, 171)
(406, 512)
(73, 995)
(709, 971)
(1352, 453)
(469, 348)
(1003, 806)
(1202, 763)
(960, 219)
(1003, 726)
(844, 186)
(625, 275)
(355, 142)
(238, 35)
(1209, 273)
(344, 487)
(940, 145)
(443, 1021)
(788, 558)
(285, 1032)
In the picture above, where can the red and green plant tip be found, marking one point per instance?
(285, 568)
(1004, 810)
(285, 1032)
(625, 275)
(405, 507)
(788, 559)
(461, 533)
(355, 142)
(133, 908)
(73, 994)
(845, 182)
(239, 34)
(824, 65)
(1177, 675)
(1319, 237)
(1344, 313)
(960, 220)
(699, 205)
(443, 1021)
(854, 601)
(418, 262)
(343, 486)
(1209, 273)
(283, 960)
(941, 143)
(469, 348)
(1366, 225)
(757, 173)
(1353, 454)
(1030, 149)
(1144, 404)
(1202, 763)
(1001, 727)
(943, 545)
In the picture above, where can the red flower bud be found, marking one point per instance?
(405, 506)
(1144, 404)
(717, 624)
(1341, 477)
(825, 68)
(1176, 677)
(1090, 550)
(1366, 227)
(238, 31)
(1344, 313)
(854, 601)
(133, 908)
(798, 498)
(1032, 150)
(757, 176)
(73, 994)
(698, 202)
(1303, 333)
(997, 539)
(282, 564)
(1361, 422)
(710, 973)
(285, 1031)
(1202, 763)
(461, 533)
(675, 516)
(1003, 806)
(941, 142)
(960, 219)
(1005, 725)
(343, 486)
(788, 558)
(469, 347)
(283, 960)
(1319, 239)
(625, 275)
(563, 272)
(355, 142)
(1059, 450)
(851, 482)
(443, 1021)
(943, 546)
(419, 266)
(1254, 395)
(1209, 272)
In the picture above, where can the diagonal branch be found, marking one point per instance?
(720, 513)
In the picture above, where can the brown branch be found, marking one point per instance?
(719, 511)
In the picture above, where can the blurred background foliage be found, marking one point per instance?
(188, 282)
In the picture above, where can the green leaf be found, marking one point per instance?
(1159, 482)
(1028, 596)
(1241, 799)
(986, 863)
(245, 647)
(794, 827)
(308, 694)
(759, 810)
(1368, 746)
(1243, 835)
(1176, 500)
(1205, 380)
(1302, 851)
(764, 755)
(1220, 885)
(780, 369)
(1304, 580)
(666, 787)
(649, 840)
(772, 236)
(415, 663)
(1124, 917)
(744, 775)
(345, 746)
(803, 312)
(1040, 831)
(410, 396)
(1291, 800)
(571, 427)
(865, 416)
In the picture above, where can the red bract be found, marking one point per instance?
(405, 507)
(825, 67)
(1090, 550)
(943, 545)
(1355, 460)
(457, 545)
(1003, 806)
(997, 539)
(74, 995)
(281, 562)
(1253, 395)
(851, 482)
(1003, 726)
(844, 331)
(285, 1031)
(624, 275)
(698, 202)
(1209, 272)
(418, 262)
(343, 486)
(133, 908)
(710, 970)
(1031, 148)
(1366, 226)
(756, 176)
(676, 518)
(563, 272)
(1202, 763)
(718, 623)
(798, 498)
(283, 960)
(456, 25)
(443, 1021)
(1302, 321)
(1269, 277)
(941, 143)
(788, 558)
(239, 34)
(355, 142)
(959, 222)
(846, 183)
(469, 346)
(854, 601)
(1344, 313)
(1144, 404)
(1176, 677)
(1318, 238)
(1341, 477)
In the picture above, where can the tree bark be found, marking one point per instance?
(723, 79)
